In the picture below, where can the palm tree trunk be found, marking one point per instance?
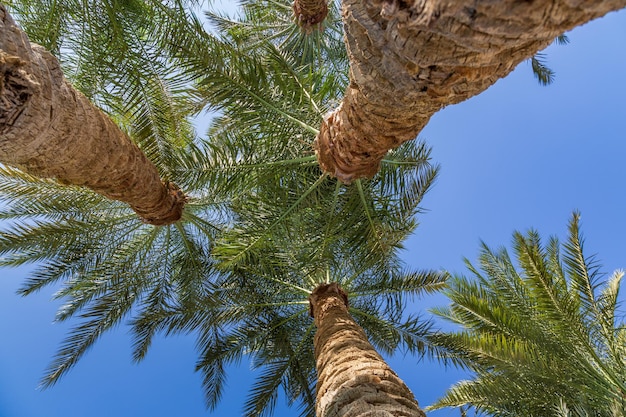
(353, 379)
(409, 59)
(49, 129)
(310, 13)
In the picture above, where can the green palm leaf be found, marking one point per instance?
(263, 226)
(541, 339)
(104, 262)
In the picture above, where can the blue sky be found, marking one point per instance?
(515, 157)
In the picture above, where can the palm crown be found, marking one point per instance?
(264, 317)
(254, 189)
(543, 340)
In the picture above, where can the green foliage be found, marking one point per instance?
(285, 241)
(103, 261)
(273, 21)
(373, 216)
(263, 225)
(264, 318)
(112, 51)
(541, 71)
(542, 341)
(259, 153)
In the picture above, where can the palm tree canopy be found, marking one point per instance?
(545, 339)
(103, 261)
(264, 316)
(254, 189)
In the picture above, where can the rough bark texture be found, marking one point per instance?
(49, 129)
(353, 379)
(310, 14)
(409, 59)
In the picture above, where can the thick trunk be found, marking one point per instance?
(49, 129)
(353, 379)
(409, 59)
(310, 14)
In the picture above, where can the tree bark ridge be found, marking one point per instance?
(353, 379)
(309, 14)
(409, 59)
(49, 129)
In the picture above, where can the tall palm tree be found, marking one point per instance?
(248, 183)
(49, 129)
(409, 59)
(286, 242)
(542, 340)
(265, 317)
(273, 252)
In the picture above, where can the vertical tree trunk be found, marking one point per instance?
(353, 379)
(49, 129)
(409, 59)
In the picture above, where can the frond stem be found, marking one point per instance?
(285, 214)
(359, 187)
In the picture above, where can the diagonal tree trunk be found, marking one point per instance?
(353, 379)
(409, 59)
(49, 129)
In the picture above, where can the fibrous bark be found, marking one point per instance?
(309, 14)
(409, 59)
(353, 379)
(49, 129)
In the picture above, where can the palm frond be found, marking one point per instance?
(537, 336)
(108, 311)
(582, 271)
(542, 73)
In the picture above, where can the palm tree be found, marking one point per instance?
(265, 318)
(408, 60)
(285, 243)
(543, 340)
(110, 267)
(251, 186)
(49, 129)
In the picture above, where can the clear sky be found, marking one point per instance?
(515, 157)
